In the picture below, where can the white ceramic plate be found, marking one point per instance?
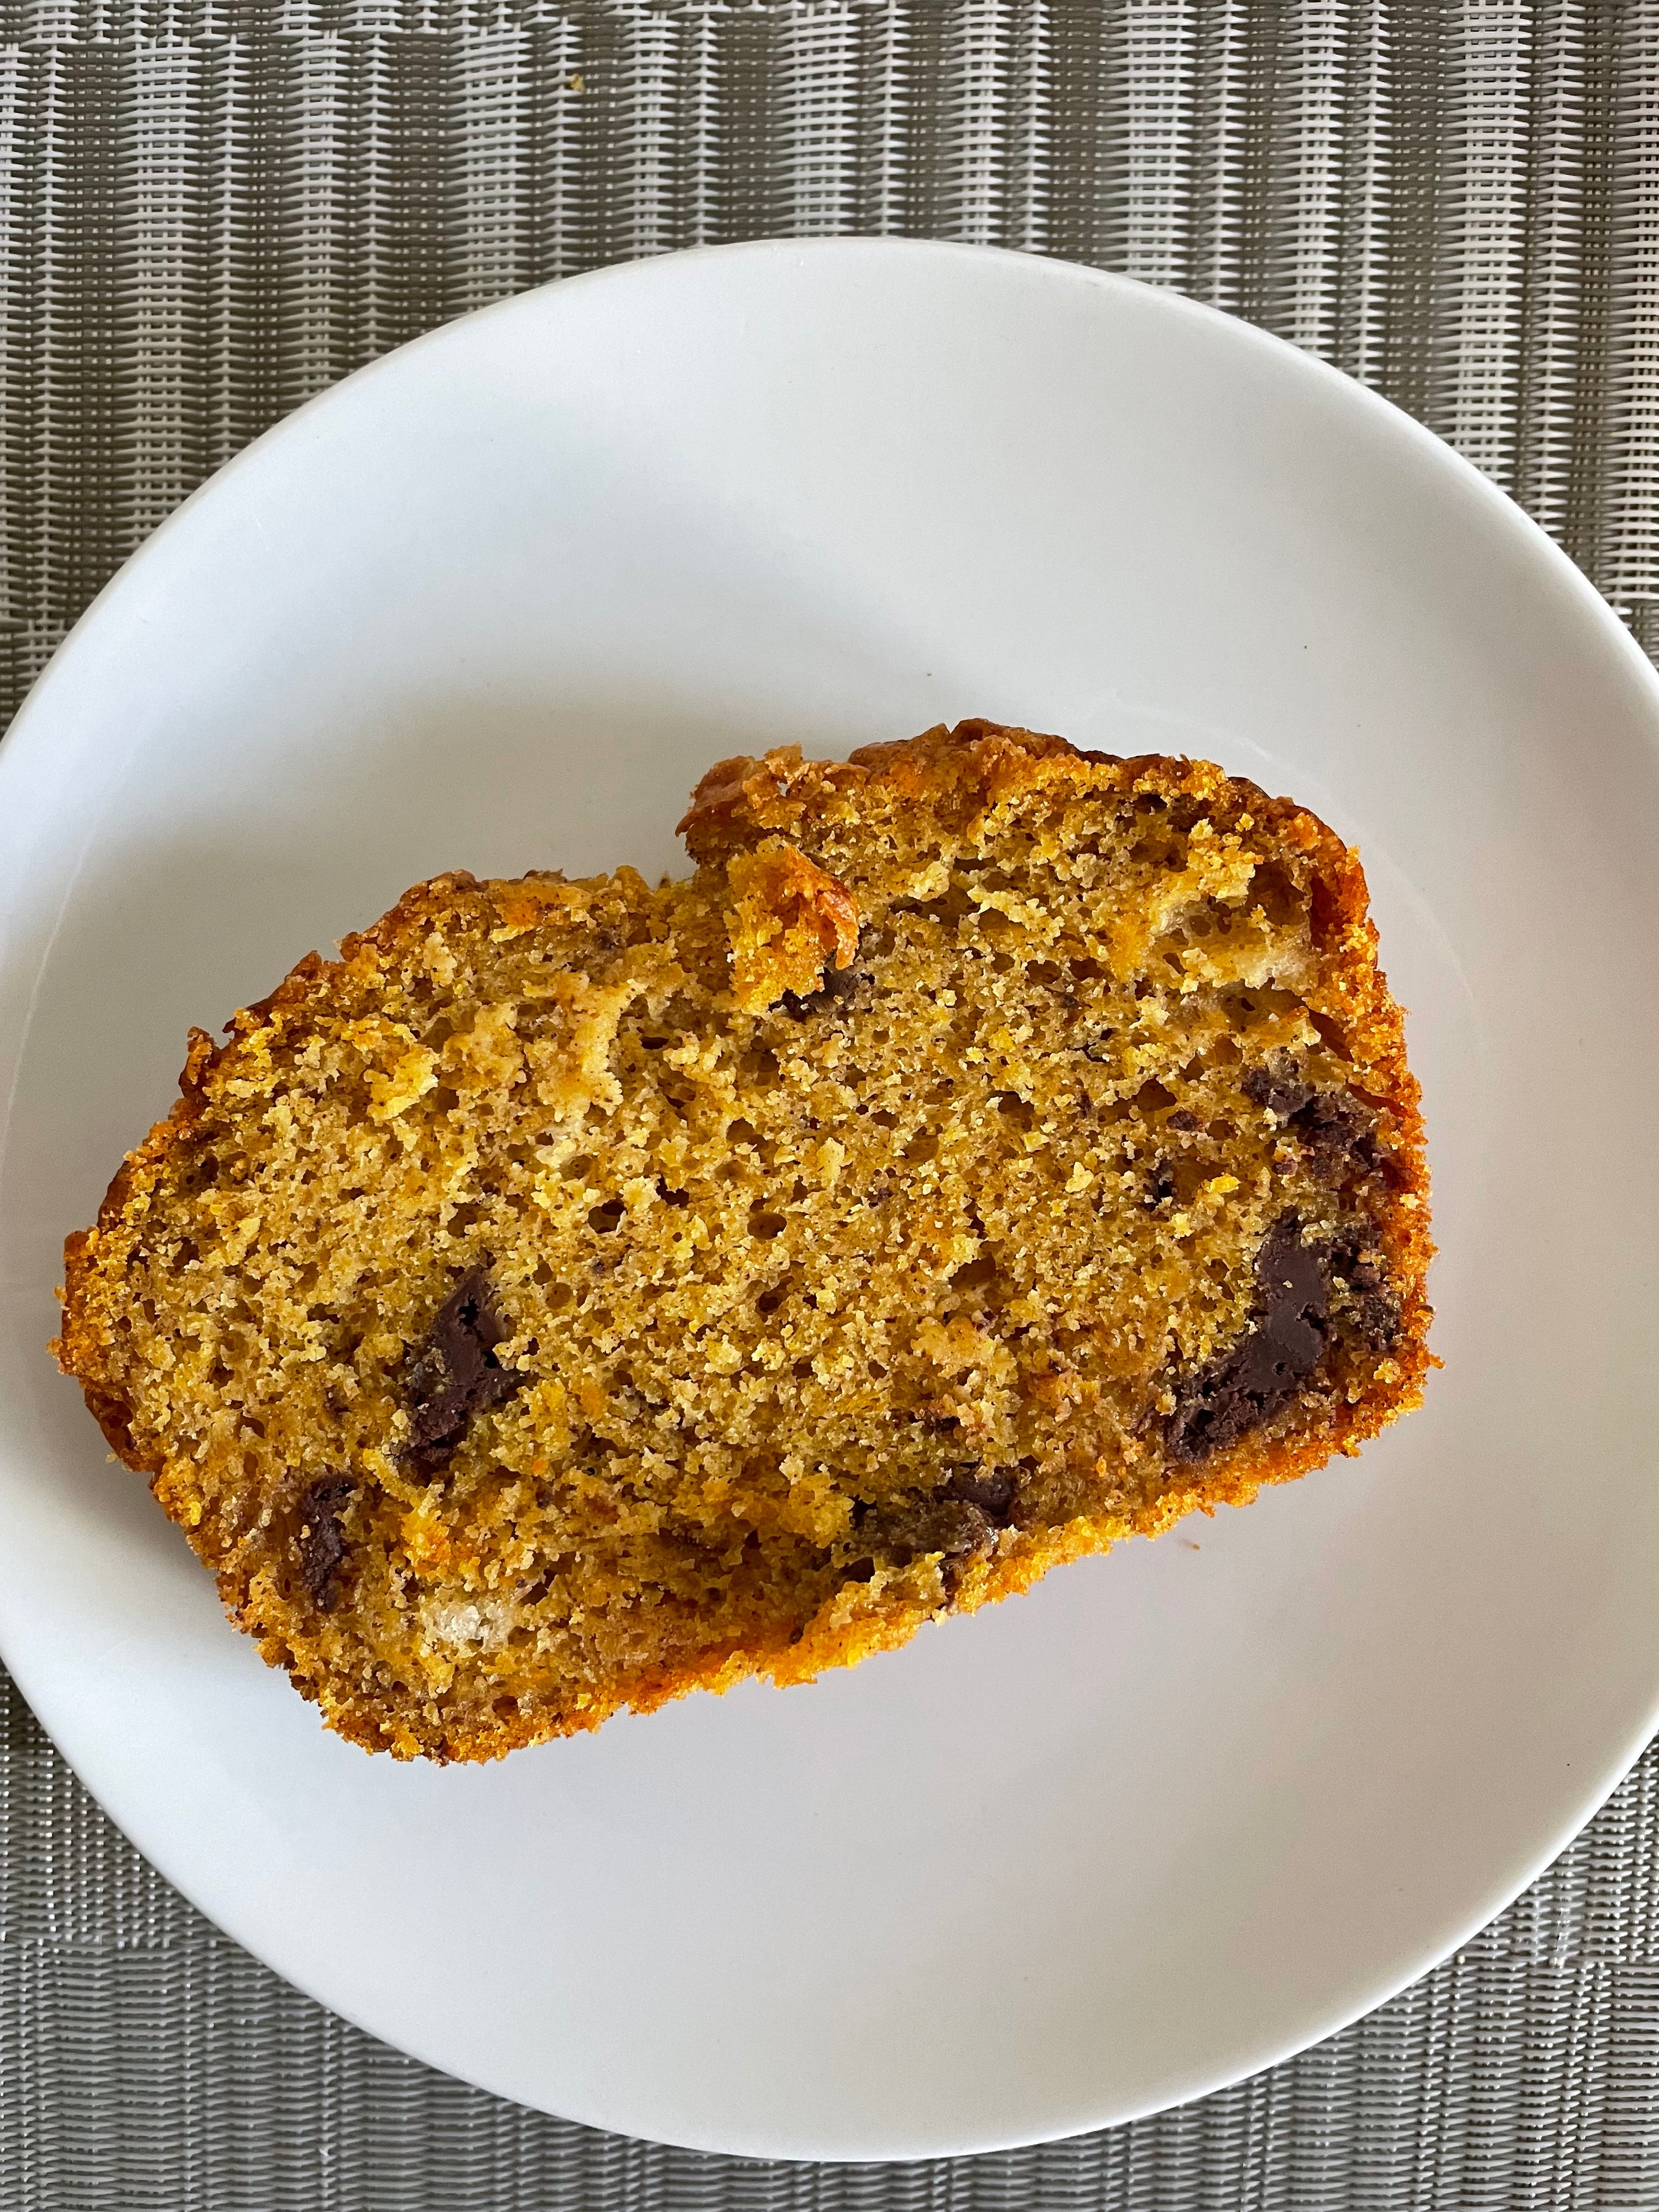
(494, 603)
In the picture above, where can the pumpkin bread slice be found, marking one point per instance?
(580, 1292)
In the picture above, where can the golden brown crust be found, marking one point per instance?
(772, 837)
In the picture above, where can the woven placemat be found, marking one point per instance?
(208, 211)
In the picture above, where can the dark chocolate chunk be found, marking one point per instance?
(1237, 1390)
(991, 1489)
(1278, 1087)
(837, 988)
(1370, 1311)
(910, 1528)
(1337, 1131)
(455, 1375)
(321, 1541)
(1374, 1319)
(1353, 1254)
(1183, 1118)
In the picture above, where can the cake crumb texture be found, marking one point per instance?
(580, 1292)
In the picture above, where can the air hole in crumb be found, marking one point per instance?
(1272, 890)
(976, 1274)
(606, 1218)
(764, 1224)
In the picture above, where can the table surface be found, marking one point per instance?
(210, 210)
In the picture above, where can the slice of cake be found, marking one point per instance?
(578, 1293)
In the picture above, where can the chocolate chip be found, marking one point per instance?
(838, 986)
(1352, 1255)
(321, 1542)
(1373, 1318)
(1372, 1312)
(1332, 1127)
(1337, 1131)
(991, 1489)
(455, 1375)
(1237, 1390)
(832, 994)
(1183, 1118)
(910, 1528)
(1278, 1086)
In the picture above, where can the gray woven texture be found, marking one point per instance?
(210, 211)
